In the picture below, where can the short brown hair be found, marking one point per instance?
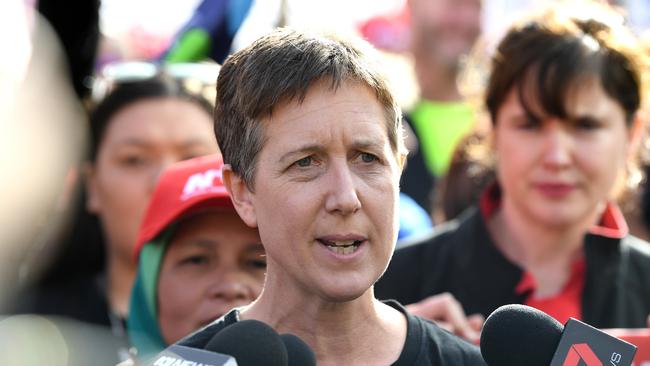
(558, 48)
(281, 67)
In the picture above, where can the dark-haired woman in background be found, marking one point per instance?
(564, 96)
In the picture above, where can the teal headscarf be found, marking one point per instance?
(142, 323)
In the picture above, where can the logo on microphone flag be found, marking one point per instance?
(581, 352)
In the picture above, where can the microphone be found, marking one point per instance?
(298, 351)
(522, 335)
(245, 343)
(187, 356)
(250, 342)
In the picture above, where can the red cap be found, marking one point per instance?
(186, 187)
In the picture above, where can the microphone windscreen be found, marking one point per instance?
(519, 335)
(251, 343)
(300, 354)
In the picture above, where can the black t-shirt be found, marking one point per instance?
(426, 343)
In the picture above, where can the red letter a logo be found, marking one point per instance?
(581, 351)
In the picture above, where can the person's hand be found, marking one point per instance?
(648, 321)
(447, 312)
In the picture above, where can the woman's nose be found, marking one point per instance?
(158, 170)
(558, 144)
(229, 285)
(342, 195)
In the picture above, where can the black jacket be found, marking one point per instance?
(462, 259)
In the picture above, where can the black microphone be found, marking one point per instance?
(522, 335)
(251, 343)
(300, 354)
(181, 355)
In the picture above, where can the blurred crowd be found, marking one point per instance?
(524, 182)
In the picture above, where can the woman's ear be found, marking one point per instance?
(240, 194)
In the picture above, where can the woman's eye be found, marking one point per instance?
(305, 162)
(586, 123)
(189, 156)
(524, 121)
(257, 263)
(368, 158)
(194, 260)
(133, 160)
(529, 123)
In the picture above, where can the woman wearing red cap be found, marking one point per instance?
(197, 258)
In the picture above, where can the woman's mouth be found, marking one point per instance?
(341, 247)
(555, 190)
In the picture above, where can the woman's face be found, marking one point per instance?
(556, 171)
(213, 263)
(325, 194)
(140, 141)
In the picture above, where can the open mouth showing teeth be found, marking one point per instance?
(341, 247)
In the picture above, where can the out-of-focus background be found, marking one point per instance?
(54, 56)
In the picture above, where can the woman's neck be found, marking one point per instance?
(120, 276)
(546, 252)
(358, 332)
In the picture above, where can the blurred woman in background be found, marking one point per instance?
(564, 97)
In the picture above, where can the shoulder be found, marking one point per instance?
(633, 271)
(624, 263)
(630, 254)
(638, 248)
(201, 337)
(446, 347)
(452, 349)
(636, 256)
(427, 344)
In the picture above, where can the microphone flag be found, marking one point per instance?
(582, 344)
